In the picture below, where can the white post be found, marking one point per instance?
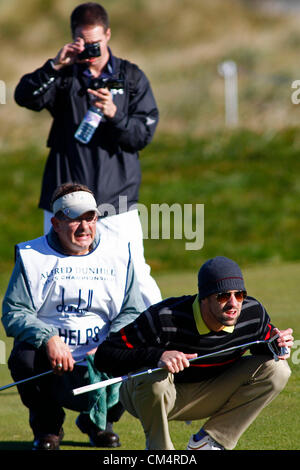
(2, 353)
(228, 70)
(2, 92)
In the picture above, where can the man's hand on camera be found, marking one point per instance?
(68, 54)
(104, 101)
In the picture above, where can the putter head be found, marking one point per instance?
(275, 349)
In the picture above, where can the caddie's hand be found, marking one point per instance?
(68, 54)
(175, 361)
(103, 100)
(59, 355)
(285, 339)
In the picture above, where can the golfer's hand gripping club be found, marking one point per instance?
(124, 378)
(175, 361)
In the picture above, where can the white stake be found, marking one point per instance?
(228, 70)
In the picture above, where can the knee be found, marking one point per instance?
(154, 386)
(159, 388)
(283, 373)
(22, 360)
(278, 374)
(141, 394)
(164, 392)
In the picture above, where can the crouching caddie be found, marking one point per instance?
(64, 296)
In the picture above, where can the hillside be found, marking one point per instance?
(248, 182)
(180, 44)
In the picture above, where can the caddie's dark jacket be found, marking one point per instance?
(176, 324)
(109, 164)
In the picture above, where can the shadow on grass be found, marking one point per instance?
(20, 445)
(65, 445)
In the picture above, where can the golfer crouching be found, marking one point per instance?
(229, 389)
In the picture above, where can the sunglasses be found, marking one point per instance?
(225, 296)
(90, 218)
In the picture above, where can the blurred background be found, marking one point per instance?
(245, 173)
(179, 44)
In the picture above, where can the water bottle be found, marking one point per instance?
(88, 125)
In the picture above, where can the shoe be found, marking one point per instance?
(206, 443)
(98, 437)
(48, 441)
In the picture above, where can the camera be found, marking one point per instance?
(111, 84)
(90, 50)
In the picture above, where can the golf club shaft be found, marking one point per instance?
(5, 387)
(106, 383)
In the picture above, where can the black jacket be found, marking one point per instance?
(109, 164)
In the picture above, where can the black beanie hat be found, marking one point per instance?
(219, 274)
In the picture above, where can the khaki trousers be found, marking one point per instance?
(231, 401)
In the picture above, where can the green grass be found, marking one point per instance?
(276, 428)
(247, 181)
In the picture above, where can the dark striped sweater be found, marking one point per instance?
(170, 325)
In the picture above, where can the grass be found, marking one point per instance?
(248, 182)
(276, 427)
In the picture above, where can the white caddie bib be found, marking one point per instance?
(79, 295)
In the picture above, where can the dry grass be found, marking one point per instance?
(179, 44)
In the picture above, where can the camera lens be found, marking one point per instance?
(90, 50)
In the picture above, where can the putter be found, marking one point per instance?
(5, 387)
(275, 349)
(124, 378)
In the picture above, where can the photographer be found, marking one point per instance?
(109, 163)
